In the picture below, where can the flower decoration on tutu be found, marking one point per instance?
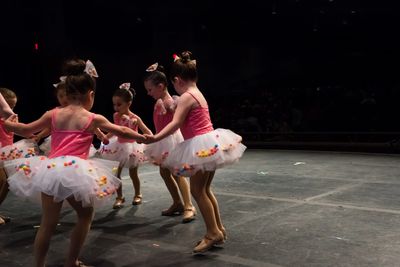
(152, 67)
(175, 57)
(62, 80)
(125, 86)
(90, 69)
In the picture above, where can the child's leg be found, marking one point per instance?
(133, 173)
(80, 231)
(119, 190)
(3, 185)
(120, 198)
(214, 203)
(50, 215)
(190, 211)
(172, 187)
(198, 184)
(198, 187)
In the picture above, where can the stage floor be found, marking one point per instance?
(280, 208)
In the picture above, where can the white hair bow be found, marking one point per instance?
(152, 67)
(62, 80)
(125, 86)
(90, 69)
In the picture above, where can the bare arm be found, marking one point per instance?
(44, 133)
(5, 110)
(27, 129)
(121, 131)
(184, 106)
(143, 126)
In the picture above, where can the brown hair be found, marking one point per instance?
(184, 67)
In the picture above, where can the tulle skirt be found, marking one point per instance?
(24, 148)
(206, 152)
(46, 145)
(159, 151)
(128, 154)
(91, 181)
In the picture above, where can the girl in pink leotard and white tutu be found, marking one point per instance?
(203, 150)
(156, 83)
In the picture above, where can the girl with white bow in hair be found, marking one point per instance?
(67, 174)
(126, 151)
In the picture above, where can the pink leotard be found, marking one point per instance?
(118, 121)
(197, 121)
(70, 142)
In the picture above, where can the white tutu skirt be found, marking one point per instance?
(128, 154)
(24, 148)
(91, 181)
(206, 152)
(46, 145)
(159, 151)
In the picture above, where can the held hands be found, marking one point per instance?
(35, 138)
(149, 139)
(10, 121)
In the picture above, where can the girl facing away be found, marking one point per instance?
(61, 95)
(126, 151)
(156, 83)
(67, 174)
(203, 150)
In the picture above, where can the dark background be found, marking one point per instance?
(272, 71)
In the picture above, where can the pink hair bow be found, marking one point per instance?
(175, 57)
(90, 69)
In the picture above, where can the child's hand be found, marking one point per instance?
(149, 139)
(35, 137)
(105, 141)
(12, 118)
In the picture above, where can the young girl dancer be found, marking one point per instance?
(67, 174)
(10, 150)
(127, 151)
(204, 149)
(61, 94)
(155, 83)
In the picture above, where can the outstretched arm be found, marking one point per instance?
(44, 133)
(122, 131)
(184, 105)
(143, 126)
(5, 110)
(27, 129)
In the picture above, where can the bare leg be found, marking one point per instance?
(50, 215)
(133, 173)
(190, 211)
(3, 193)
(3, 185)
(119, 200)
(198, 185)
(119, 190)
(214, 202)
(80, 231)
(171, 186)
(184, 188)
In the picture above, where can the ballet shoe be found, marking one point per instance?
(173, 210)
(189, 215)
(81, 264)
(206, 243)
(119, 201)
(137, 200)
(4, 219)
